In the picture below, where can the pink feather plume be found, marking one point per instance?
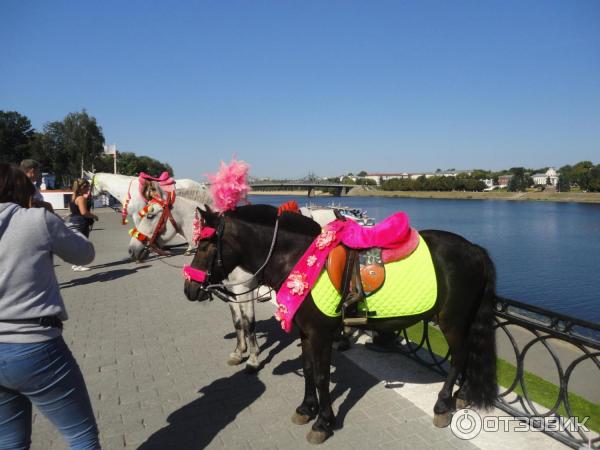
(229, 185)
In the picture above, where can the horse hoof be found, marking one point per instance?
(442, 420)
(234, 360)
(300, 419)
(461, 403)
(318, 437)
(251, 369)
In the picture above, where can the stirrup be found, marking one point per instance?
(354, 321)
(352, 299)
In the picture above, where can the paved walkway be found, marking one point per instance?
(155, 366)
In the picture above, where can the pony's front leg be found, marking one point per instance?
(237, 356)
(309, 407)
(249, 327)
(323, 426)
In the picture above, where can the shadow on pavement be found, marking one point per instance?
(275, 339)
(196, 424)
(269, 334)
(112, 263)
(349, 377)
(100, 277)
(346, 376)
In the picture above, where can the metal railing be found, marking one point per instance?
(570, 343)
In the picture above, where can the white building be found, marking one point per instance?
(381, 177)
(542, 178)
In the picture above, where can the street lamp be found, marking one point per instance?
(112, 150)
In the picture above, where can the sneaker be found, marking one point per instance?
(74, 268)
(83, 268)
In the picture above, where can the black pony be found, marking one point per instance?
(463, 308)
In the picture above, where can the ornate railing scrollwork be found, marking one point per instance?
(573, 344)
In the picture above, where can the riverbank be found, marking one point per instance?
(577, 197)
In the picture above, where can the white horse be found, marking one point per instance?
(127, 190)
(189, 195)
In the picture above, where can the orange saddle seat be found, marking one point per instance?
(372, 269)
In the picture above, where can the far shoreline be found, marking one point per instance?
(561, 197)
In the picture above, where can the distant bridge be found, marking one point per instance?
(338, 188)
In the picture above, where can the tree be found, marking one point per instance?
(581, 172)
(564, 183)
(479, 174)
(129, 163)
(397, 184)
(15, 137)
(594, 183)
(362, 173)
(74, 141)
(520, 183)
(366, 182)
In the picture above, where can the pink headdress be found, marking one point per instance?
(229, 185)
(166, 182)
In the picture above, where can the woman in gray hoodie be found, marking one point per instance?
(36, 366)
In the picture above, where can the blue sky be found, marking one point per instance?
(323, 86)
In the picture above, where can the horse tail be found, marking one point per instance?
(480, 368)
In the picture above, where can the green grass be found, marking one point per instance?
(539, 390)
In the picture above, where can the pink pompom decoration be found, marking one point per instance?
(229, 185)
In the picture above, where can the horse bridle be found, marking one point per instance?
(149, 242)
(222, 290)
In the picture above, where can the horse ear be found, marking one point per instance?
(208, 215)
(338, 215)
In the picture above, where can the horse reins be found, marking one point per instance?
(222, 290)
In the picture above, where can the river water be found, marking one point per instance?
(546, 254)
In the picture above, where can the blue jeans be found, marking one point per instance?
(47, 375)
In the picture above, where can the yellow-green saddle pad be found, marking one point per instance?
(410, 288)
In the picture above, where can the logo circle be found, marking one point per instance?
(466, 424)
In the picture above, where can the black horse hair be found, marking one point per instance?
(267, 215)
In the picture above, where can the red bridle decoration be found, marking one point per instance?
(166, 205)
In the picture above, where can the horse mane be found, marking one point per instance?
(198, 195)
(267, 215)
